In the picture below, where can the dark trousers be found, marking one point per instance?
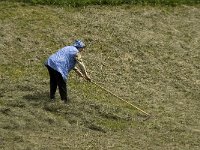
(56, 79)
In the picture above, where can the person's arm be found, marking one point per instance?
(82, 67)
(78, 72)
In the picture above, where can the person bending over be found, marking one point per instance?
(61, 63)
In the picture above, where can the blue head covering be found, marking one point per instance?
(79, 44)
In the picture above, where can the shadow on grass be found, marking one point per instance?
(37, 98)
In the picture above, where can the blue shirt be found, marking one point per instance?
(63, 60)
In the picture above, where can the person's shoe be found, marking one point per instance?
(52, 100)
(66, 101)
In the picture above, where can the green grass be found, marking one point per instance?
(77, 3)
(147, 55)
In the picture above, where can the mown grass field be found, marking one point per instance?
(81, 3)
(147, 55)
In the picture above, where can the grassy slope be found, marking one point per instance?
(147, 55)
(77, 3)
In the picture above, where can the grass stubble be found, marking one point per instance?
(83, 3)
(146, 55)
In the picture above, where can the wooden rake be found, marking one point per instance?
(147, 114)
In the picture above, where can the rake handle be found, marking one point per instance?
(121, 99)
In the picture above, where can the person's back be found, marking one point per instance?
(63, 60)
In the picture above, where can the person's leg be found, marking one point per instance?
(53, 82)
(62, 87)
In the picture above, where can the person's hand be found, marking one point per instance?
(88, 78)
(81, 75)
